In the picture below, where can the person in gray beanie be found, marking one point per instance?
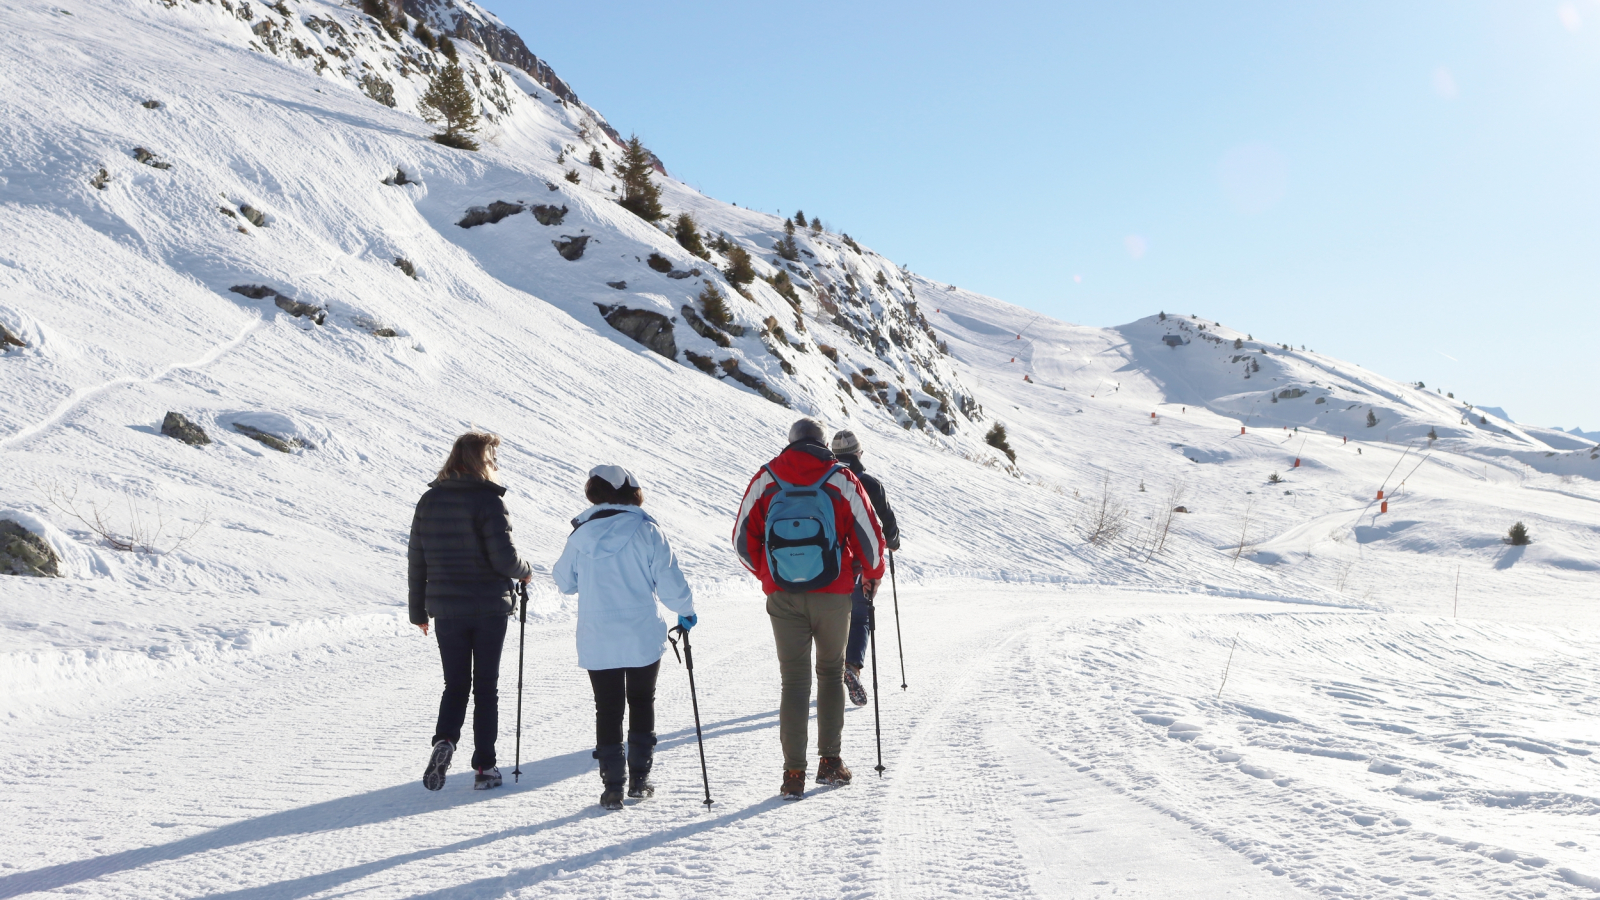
(847, 448)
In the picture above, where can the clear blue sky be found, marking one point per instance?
(1412, 186)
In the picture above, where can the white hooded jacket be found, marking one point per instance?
(619, 566)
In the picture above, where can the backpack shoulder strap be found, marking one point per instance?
(782, 485)
(602, 514)
(828, 474)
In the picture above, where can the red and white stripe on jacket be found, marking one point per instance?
(860, 536)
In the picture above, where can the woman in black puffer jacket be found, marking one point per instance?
(463, 569)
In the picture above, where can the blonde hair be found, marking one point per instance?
(473, 456)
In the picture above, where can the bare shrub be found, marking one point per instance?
(1341, 576)
(135, 529)
(1103, 520)
(1163, 529)
(1244, 533)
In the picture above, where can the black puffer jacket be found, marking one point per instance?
(462, 560)
(880, 502)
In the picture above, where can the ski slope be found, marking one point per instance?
(1284, 691)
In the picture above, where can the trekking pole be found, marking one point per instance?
(877, 719)
(522, 634)
(898, 642)
(688, 660)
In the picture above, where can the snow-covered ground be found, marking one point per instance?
(1285, 690)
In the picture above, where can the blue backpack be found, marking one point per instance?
(803, 551)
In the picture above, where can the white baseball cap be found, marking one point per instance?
(616, 476)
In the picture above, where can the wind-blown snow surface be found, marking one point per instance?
(247, 715)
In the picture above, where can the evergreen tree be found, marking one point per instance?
(688, 235)
(787, 248)
(785, 287)
(721, 244)
(596, 160)
(573, 176)
(639, 194)
(449, 103)
(426, 37)
(447, 46)
(816, 226)
(1372, 419)
(715, 306)
(1518, 535)
(739, 271)
(996, 438)
(800, 218)
(788, 226)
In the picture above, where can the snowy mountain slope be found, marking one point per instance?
(1085, 415)
(141, 318)
(1363, 739)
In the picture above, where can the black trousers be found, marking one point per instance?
(470, 648)
(635, 687)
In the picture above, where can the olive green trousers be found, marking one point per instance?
(798, 622)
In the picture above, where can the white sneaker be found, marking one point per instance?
(487, 778)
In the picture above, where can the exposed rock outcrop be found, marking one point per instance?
(24, 553)
(571, 248)
(549, 215)
(276, 442)
(731, 367)
(177, 425)
(648, 327)
(703, 328)
(289, 305)
(488, 215)
(9, 339)
(150, 159)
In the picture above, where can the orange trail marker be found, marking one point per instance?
(1384, 508)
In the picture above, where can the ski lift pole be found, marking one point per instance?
(522, 634)
(895, 592)
(688, 660)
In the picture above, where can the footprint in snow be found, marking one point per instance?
(1183, 731)
(1256, 771)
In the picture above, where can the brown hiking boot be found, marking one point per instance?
(831, 770)
(794, 784)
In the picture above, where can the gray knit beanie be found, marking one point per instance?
(806, 430)
(845, 444)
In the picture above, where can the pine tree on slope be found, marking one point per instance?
(687, 234)
(449, 103)
(640, 196)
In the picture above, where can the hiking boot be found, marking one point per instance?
(438, 764)
(613, 772)
(831, 770)
(641, 758)
(853, 685)
(794, 784)
(486, 779)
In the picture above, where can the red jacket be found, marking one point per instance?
(860, 537)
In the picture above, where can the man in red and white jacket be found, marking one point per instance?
(820, 617)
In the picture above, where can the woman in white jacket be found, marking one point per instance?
(619, 564)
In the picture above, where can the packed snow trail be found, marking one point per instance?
(1028, 758)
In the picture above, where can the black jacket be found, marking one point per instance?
(461, 557)
(880, 503)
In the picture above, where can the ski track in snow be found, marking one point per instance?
(83, 395)
(1036, 753)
